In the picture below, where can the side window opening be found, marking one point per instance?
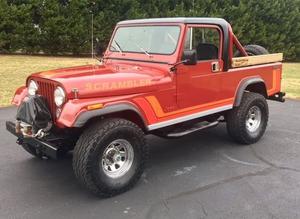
(205, 40)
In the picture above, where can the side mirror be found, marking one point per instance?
(189, 57)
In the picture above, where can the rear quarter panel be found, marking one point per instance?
(270, 73)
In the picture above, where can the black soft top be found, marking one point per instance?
(186, 20)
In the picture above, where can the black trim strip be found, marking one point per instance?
(137, 60)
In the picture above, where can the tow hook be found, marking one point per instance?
(39, 134)
(27, 131)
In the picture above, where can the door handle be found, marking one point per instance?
(215, 67)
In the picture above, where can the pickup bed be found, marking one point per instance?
(168, 76)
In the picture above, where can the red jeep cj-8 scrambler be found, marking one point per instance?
(168, 77)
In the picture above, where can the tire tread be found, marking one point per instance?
(235, 120)
(85, 146)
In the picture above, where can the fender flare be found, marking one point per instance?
(19, 96)
(242, 87)
(114, 108)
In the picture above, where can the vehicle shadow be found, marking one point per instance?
(58, 175)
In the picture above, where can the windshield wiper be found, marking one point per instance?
(142, 49)
(118, 46)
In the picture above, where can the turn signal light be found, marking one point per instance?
(95, 106)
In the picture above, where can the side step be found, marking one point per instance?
(199, 126)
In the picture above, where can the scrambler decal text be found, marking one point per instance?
(118, 85)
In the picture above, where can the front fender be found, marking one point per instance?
(19, 96)
(76, 114)
(114, 108)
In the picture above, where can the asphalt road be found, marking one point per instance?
(204, 175)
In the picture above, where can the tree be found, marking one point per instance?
(8, 26)
(64, 26)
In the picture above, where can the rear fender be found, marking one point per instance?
(248, 84)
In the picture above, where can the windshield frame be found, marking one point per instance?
(146, 25)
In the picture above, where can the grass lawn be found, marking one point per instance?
(291, 80)
(15, 69)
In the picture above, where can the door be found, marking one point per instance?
(199, 84)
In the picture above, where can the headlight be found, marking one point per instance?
(32, 88)
(59, 96)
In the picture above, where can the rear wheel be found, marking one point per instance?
(247, 123)
(110, 157)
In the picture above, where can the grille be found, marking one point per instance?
(46, 90)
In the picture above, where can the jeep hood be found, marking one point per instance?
(108, 80)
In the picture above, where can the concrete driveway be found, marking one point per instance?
(204, 175)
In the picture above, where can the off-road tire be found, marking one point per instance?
(253, 50)
(236, 119)
(91, 146)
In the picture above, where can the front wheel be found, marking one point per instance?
(110, 156)
(247, 123)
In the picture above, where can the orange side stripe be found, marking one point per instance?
(274, 83)
(160, 113)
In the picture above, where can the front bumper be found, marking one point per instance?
(46, 148)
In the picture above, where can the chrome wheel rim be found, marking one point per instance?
(253, 119)
(117, 158)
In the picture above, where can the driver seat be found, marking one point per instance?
(207, 51)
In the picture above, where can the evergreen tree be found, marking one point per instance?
(8, 27)
(64, 26)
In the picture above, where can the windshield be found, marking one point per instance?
(146, 39)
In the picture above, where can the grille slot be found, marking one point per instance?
(46, 90)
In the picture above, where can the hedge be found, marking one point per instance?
(64, 26)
